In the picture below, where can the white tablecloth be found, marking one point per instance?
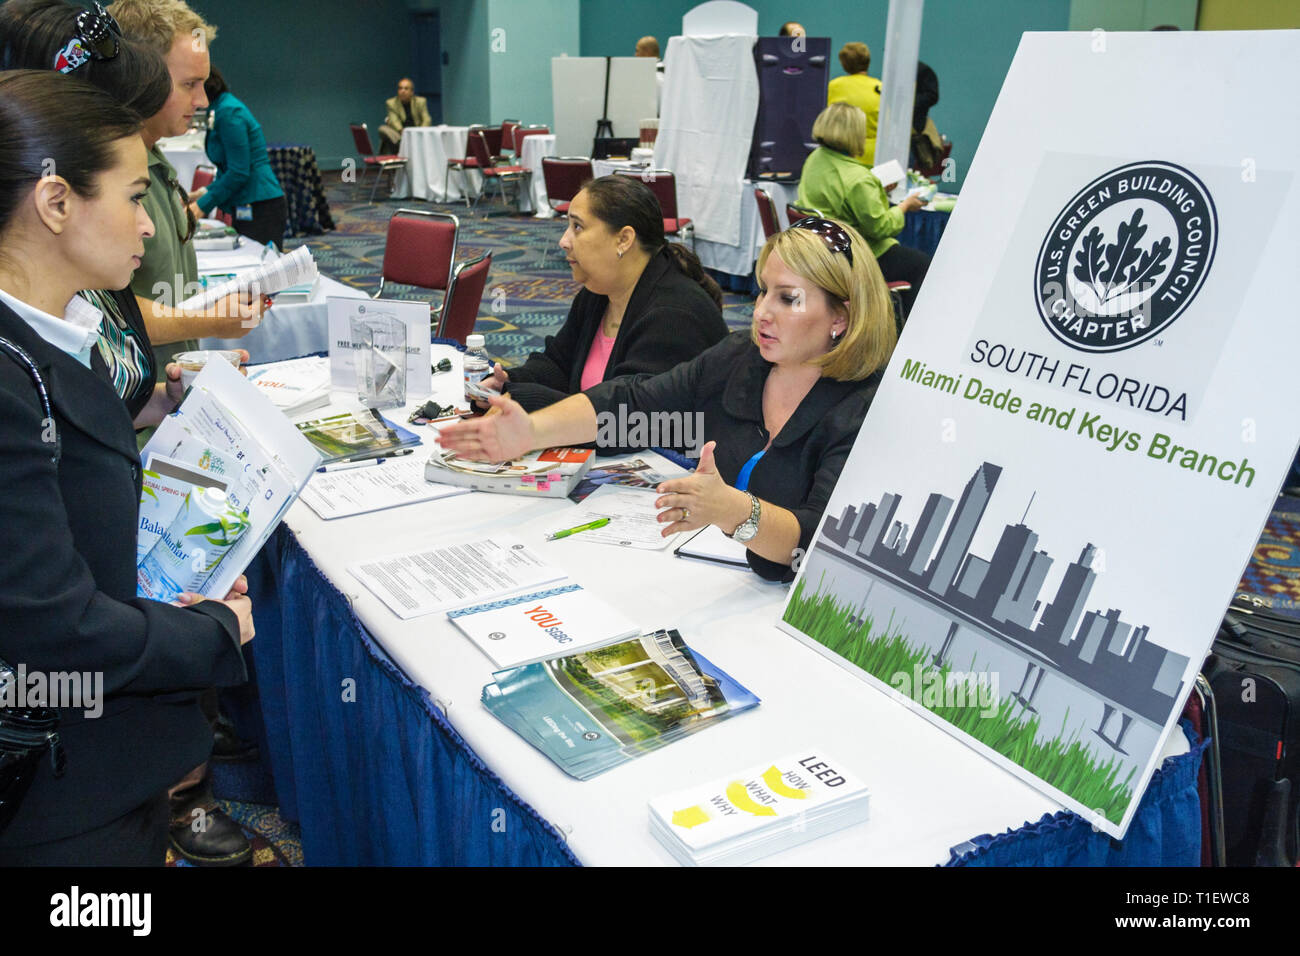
(426, 149)
(286, 331)
(534, 198)
(929, 792)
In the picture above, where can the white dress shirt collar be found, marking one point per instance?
(75, 333)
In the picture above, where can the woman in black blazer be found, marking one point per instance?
(70, 490)
(645, 304)
(780, 406)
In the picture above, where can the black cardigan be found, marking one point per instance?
(669, 319)
(68, 601)
(726, 383)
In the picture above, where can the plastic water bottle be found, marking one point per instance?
(476, 366)
(189, 550)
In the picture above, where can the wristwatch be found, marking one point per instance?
(746, 530)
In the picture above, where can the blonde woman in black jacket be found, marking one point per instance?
(780, 405)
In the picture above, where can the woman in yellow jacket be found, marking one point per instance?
(835, 184)
(860, 90)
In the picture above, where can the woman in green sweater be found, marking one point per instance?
(835, 184)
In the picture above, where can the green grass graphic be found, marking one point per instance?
(1061, 761)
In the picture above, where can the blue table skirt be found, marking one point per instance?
(361, 757)
(375, 774)
(923, 230)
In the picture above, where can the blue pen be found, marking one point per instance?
(349, 465)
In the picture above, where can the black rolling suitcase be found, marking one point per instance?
(1254, 670)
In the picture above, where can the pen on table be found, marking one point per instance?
(589, 526)
(349, 465)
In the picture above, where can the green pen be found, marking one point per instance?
(598, 523)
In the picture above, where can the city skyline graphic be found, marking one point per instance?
(1000, 598)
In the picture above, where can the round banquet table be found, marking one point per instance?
(426, 150)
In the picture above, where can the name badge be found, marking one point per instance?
(244, 213)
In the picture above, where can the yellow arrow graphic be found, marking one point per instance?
(741, 800)
(772, 777)
(690, 817)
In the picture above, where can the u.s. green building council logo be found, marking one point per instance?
(1125, 257)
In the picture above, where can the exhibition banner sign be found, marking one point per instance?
(1083, 428)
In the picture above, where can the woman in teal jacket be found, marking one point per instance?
(245, 186)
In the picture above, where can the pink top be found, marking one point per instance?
(593, 373)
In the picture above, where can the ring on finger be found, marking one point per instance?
(686, 514)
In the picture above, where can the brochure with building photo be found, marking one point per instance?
(594, 710)
(1085, 422)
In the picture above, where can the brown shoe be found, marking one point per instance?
(211, 838)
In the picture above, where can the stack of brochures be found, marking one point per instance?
(296, 386)
(549, 473)
(213, 239)
(762, 810)
(356, 435)
(532, 627)
(591, 711)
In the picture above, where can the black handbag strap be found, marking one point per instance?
(25, 361)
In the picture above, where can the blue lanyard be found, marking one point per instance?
(742, 480)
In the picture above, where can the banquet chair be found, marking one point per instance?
(495, 136)
(767, 213)
(381, 164)
(663, 184)
(522, 133)
(461, 304)
(203, 177)
(480, 150)
(461, 164)
(794, 213)
(508, 128)
(420, 250)
(564, 176)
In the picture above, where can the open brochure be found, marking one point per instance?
(591, 711)
(268, 278)
(220, 473)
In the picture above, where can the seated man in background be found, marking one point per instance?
(858, 89)
(405, 109)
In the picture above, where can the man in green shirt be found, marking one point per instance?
(169, 272)
(200, 831)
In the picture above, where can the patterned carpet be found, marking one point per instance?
(1274, 570)
(529, 289)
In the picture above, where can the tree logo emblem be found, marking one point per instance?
(1125, 256)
